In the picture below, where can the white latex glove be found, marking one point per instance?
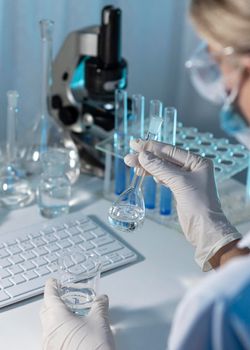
(62, 330)
(191, 179)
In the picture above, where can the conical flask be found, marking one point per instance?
(49, 133)
(15, 191)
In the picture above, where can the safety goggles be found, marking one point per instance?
(205, 73)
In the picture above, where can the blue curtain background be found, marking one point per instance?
(157, 39)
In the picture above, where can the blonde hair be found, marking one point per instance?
(226, 22)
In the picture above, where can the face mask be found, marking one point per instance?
(231, 120)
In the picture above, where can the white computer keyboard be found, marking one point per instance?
(29, 256)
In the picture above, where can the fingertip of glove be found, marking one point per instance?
(137, 144)
(129, 159)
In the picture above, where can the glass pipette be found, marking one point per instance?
(128, 212)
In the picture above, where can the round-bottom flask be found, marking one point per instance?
(15, 192)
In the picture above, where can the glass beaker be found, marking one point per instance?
(79, 275)
(48, 132)
(54, 188)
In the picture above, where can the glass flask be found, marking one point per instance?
(15, 191)
(48, 132)
(54, 188)
(127, 213)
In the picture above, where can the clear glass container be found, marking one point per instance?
(15, 190)
(79, 275)
(48, 132)
(54, 188)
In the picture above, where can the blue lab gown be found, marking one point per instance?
(215, 314)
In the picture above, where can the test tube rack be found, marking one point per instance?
(229, 160)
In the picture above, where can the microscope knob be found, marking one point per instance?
(68, 115)
(56, 102)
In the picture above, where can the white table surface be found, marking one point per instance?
(143, 296)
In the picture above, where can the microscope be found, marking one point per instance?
(85, 73)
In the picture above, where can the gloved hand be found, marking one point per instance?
(191, 179)
(62, 330)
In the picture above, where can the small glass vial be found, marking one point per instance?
(54, 189)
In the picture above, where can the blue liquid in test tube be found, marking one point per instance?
(136, 122)
(149, 183)
(120, 139)
(168, 136)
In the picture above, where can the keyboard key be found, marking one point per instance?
(17, 279)
(5, 283)
(42, 271)
(126, 253)
(22, 239)
(108, 248)
(102, 241)
(32, 286)
(4, 253)
(3, 296)
(87, 226)
(76, 239)
(15, 269)
(53, 247)
(73, 231)
(71, 223)
(11, 242)
(51, 258)
(78, 269)
(30, 275)
(82, 220)
(40, 251)
(16, 259)
(14, 249)
(50, 238)
(27, 265)
(4, 273)
(114, 257)
(34, 235)
(61, 234)
(38, 242)
(26, 246)
(59, 227)
(86, 246)
(39, 261)
(5, 263)
(65, 243)
(53, 267)
(98, 232)
(87, 236)
(28, 255)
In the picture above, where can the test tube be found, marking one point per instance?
(137, 121)
(168, 136)
(149, 183)
(120, 139)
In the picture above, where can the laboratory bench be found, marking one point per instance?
(143, 296)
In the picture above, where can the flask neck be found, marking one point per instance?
(138, 180)
(46, 76)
